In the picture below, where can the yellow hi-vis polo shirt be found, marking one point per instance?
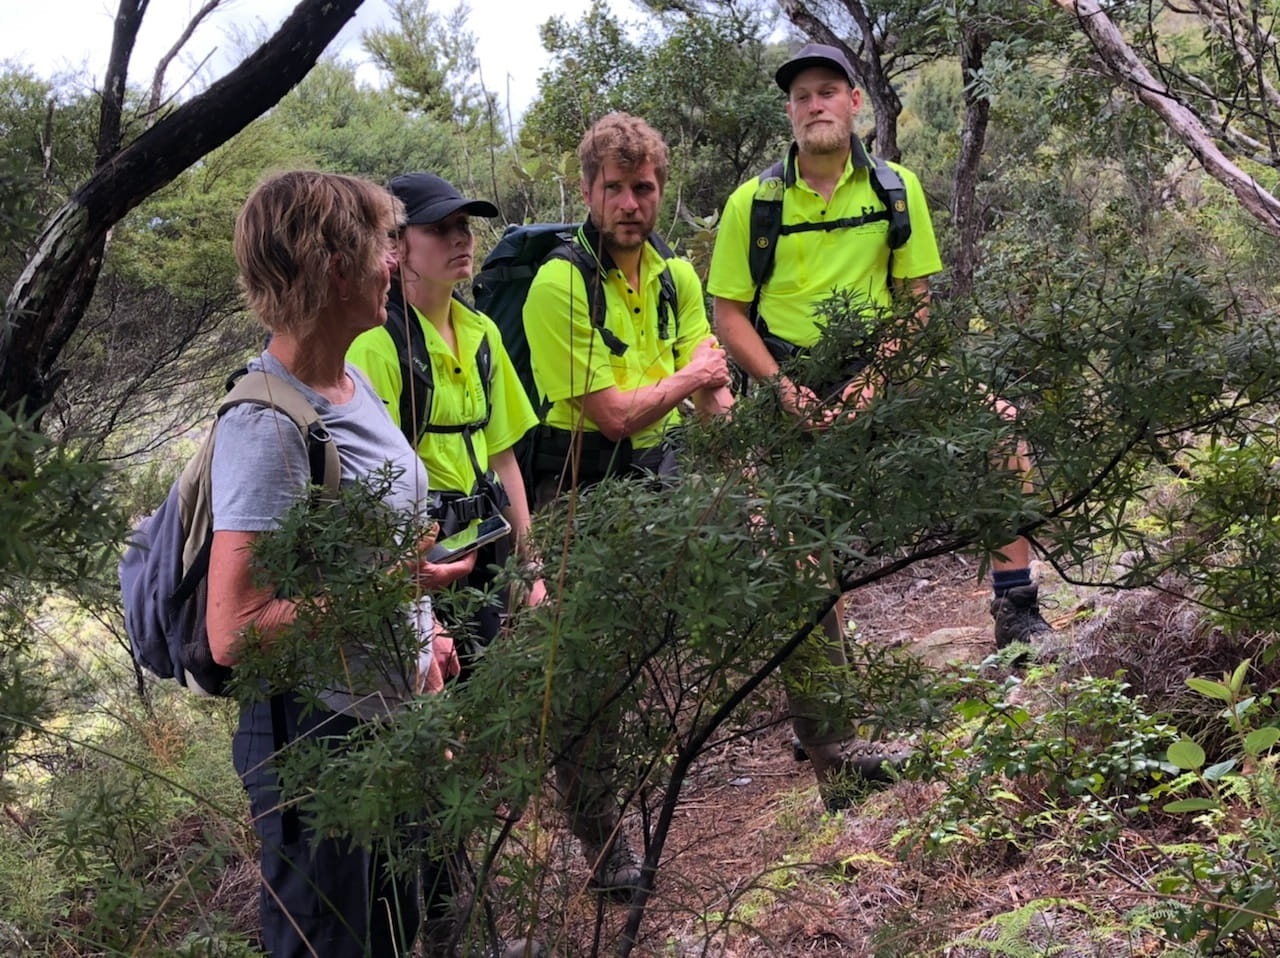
(458, 398)
(570, 358)
(810, 265)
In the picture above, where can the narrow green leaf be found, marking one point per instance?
(1191, 805)
(1237, 677)
(1256, 907)
(1214, 690)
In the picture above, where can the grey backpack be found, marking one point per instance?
(164, 570)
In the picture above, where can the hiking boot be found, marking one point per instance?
(615, 872)
(843, 768)
(1017, 615)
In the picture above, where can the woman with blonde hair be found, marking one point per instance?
(441, 368)
(316, 257)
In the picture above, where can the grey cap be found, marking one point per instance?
(428, 198)
(814, 55)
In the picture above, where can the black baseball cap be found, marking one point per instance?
(814, 55)
(428, 198)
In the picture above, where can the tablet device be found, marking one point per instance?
(469, 538)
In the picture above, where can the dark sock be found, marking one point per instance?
(1004, 580)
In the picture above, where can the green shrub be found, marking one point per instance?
(1091, 754)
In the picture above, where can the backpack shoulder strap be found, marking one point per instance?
(766, 228)
(668, 302)
(417, 385)
(891, 191)
(265, 389)
(590, 270)
(766, 223)
(484, 363)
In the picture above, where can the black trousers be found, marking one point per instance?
(319, 896)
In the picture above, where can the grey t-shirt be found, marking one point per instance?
(260, 469)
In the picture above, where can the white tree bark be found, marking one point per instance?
(1119, 59)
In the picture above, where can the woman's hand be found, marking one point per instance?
(437, 575)
(444, 663)
(537, 592)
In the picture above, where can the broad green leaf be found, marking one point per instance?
(1215, 772)
(1261, 739)
(1186, 754)
(1235, 711)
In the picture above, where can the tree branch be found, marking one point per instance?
(49, 298)
(124, 35)
(1121, 62)
(157, 79)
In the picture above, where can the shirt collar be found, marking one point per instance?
(589, 237)
(858, 159)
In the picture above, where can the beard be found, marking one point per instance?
(825, 140)
(628, 241)
(629, 237)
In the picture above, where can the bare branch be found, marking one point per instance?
(157, 80)
(1123, 65)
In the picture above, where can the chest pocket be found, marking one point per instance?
(458, 397)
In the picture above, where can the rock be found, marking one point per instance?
(944, 646)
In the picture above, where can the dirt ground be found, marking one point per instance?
(751, 815)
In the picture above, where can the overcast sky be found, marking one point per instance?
(52, 36)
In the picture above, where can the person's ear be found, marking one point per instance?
(338, 278)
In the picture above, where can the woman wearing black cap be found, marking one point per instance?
(445, 376)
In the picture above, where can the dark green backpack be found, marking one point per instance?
(500, 289)
(501, 286)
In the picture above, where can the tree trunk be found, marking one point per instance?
(49, 298)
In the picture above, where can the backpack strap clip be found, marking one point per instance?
(766, 214)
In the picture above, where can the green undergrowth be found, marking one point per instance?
(1051, 817)
(132, 851)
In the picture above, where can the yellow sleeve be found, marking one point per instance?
(729, 276)
(374, 353)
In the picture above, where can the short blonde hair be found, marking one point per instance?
(293, 227)
(628, 140)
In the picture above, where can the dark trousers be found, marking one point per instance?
(472, 636)
(327, 897)
(586, 763)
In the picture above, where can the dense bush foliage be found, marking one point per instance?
(1120, 300)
